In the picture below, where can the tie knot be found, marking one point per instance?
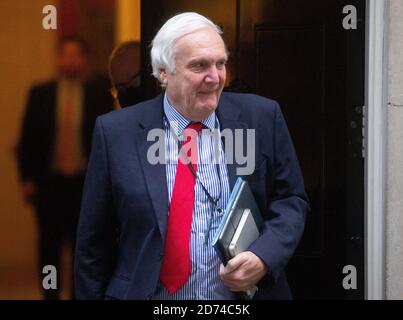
(197, 126)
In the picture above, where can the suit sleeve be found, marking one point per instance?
(25, 148)
(96, 234)
(288, 204)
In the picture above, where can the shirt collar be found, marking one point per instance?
(178, 122)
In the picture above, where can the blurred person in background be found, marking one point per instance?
(54, 147)
(124, 73)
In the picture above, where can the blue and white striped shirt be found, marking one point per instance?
(204, 282)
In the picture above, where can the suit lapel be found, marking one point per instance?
(229, 116)
(155, 175)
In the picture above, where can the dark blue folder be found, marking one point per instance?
(241, 198)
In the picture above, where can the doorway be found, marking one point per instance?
(299, 54)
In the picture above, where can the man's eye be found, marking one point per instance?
(200, 65)
(221, 64)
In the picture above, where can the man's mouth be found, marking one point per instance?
(208, 92)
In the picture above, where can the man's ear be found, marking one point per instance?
(163, 77)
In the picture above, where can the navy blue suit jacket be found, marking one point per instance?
(123, 220)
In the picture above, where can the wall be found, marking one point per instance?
(127, 20)
(394, 198)
(26, 57)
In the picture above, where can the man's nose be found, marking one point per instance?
(213, 75)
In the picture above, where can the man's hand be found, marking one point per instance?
(243, 271)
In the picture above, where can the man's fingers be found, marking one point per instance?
(222, 269)
(242, 272)
(234, 263)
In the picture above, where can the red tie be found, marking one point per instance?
(176, 266)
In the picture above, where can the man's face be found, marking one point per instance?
(195, 87)
(71, 61)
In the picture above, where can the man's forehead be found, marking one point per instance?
(203, 43)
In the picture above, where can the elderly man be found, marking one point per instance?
(146, 228)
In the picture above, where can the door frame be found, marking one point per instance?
(375, 122)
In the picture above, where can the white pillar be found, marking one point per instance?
(376, 102)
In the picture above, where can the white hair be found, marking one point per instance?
(163, 44)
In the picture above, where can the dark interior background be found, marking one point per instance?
(298, 53)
